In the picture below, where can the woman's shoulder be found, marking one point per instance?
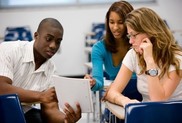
(99, 48)
(99, 45)
(131, 52)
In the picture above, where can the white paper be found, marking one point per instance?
(72, 90)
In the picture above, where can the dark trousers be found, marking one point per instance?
(34, 116)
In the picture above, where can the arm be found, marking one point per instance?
(48, 100)
(114, 93)
(52, 114)
(159, 89)
(26, 96)
(97, 57)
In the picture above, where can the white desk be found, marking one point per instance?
(117, 110)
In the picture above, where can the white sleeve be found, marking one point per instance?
(130, 60)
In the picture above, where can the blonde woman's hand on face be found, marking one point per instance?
(92, 81)
(146, 48)
(72, 116)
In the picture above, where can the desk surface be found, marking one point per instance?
(117, 110)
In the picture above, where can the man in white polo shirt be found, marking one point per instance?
(26, 69)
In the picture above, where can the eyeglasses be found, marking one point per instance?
(133, 36)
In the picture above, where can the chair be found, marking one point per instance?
(22, 33)
(10, 109)
(154, 112)
(99, 30)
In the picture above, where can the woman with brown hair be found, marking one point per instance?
(110, 51)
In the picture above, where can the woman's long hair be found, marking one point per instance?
(145, 20)
(122, 8)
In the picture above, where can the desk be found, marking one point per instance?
(117, 110)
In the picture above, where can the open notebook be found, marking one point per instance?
(73, 90)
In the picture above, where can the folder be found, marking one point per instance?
(72, 90)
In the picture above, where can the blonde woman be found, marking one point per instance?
(155, 57)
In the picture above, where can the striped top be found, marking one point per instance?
(17, 63)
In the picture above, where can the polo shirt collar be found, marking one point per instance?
(29, 57)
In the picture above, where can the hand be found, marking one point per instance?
(72, 116)
(146, 48)
(92, 81)
(48, 96)
(127, 101)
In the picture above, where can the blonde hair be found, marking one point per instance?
(145, 20)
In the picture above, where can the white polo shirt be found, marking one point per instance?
(17, 63)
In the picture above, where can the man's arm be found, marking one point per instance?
(26, 96)
(48, 100)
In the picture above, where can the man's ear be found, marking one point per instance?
(36, 35)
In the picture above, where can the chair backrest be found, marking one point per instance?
(10, 109)
(18, 33)
(99, 30)
(154, 112)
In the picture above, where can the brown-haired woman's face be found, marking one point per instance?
(116, 25)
